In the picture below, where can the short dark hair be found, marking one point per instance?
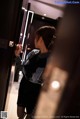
(48, 35)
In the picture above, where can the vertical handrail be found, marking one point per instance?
(24, 36)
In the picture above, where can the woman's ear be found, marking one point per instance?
(41, 40)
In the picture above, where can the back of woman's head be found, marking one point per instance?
(48, 35)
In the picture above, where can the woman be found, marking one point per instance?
(31, 83)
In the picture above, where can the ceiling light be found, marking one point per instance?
(44, 14)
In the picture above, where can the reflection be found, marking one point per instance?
(55, 85)
(36, 22)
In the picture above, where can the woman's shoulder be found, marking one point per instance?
(31, 56)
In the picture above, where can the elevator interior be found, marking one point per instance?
(11, 16)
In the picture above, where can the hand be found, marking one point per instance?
(18, 50)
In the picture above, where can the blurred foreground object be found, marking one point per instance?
(60, 95)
